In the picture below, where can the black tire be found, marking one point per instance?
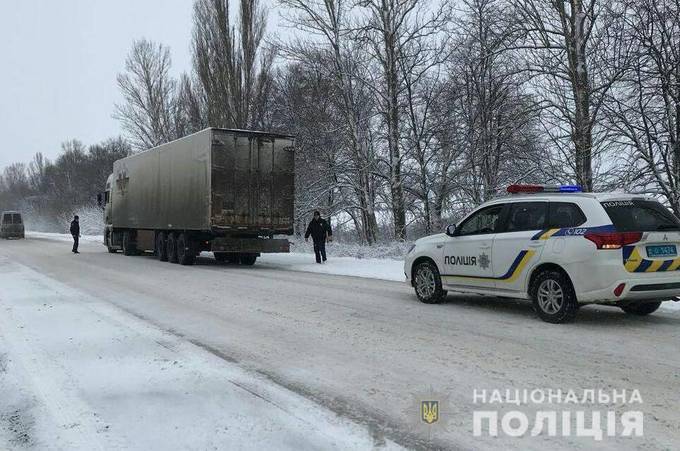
(107, 242)
(553, 297)
(186, 255)
(171, 246)
(128, 247)
(428, 283)
(641, 308)
(162, 246)
(247, 259)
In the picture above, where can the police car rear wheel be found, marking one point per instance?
(641, 308)
(427, 283)
(553, 297)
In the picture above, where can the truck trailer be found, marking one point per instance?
(221, 190)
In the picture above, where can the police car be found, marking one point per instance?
(560, 248)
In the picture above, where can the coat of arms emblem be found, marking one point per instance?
(429, 411)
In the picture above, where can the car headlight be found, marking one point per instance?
(410, 249)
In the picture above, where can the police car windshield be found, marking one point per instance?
(640, 216)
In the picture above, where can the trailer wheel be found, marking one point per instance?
(162, 246)
(109, 244)
(248, 259)
(186, 255)
(172, 248)
(128, 248)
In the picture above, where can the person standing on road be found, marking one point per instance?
(320, 231)
(75, 232)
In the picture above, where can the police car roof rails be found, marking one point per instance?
(532, 189)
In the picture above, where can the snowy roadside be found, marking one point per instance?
(371, 268)
(64, 237)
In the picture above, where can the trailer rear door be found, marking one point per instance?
(252, 182)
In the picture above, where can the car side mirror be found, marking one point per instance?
(99, 200)
(451, 230)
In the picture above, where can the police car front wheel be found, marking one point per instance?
(428, 283)
(553, 297)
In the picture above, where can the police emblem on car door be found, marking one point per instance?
(467, 256)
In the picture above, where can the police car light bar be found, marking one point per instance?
(517, 189)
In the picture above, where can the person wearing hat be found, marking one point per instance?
(320, 231)
(75, 232)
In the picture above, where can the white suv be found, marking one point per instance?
(558, 247)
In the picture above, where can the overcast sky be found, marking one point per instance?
(59, 66)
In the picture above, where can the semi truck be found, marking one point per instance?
(225, 191)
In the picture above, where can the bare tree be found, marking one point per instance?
(36, 172)
(394, 29)
(231, 64)
(327, 22)
(146, 112)
(15, 179)
(571, 46)
(645, 106)
(499, 118)
(190, 105)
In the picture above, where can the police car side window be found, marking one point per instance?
(525, 216)
(565, 214)
(484, 221)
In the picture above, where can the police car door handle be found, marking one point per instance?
(486, 246)
(439, 246)
(536, 244)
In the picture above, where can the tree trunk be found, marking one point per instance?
(392, 81)
(582, 136)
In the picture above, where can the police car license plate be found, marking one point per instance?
(666, 250)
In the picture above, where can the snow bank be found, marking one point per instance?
(371, 268)
(64, 237)
(394, 250)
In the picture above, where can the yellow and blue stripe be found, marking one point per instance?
(512, 273)
(633, 262)
(571, 231)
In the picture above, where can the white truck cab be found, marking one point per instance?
(558, 247)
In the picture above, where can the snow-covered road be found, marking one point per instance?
(102, 351)
(80, 373)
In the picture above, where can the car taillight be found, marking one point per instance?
(613, 240)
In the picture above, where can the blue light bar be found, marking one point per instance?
(570, 189)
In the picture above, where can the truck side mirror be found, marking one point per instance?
(99, 200)
(451, 230)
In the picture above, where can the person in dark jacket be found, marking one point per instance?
(75, 232)
(320, 231)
